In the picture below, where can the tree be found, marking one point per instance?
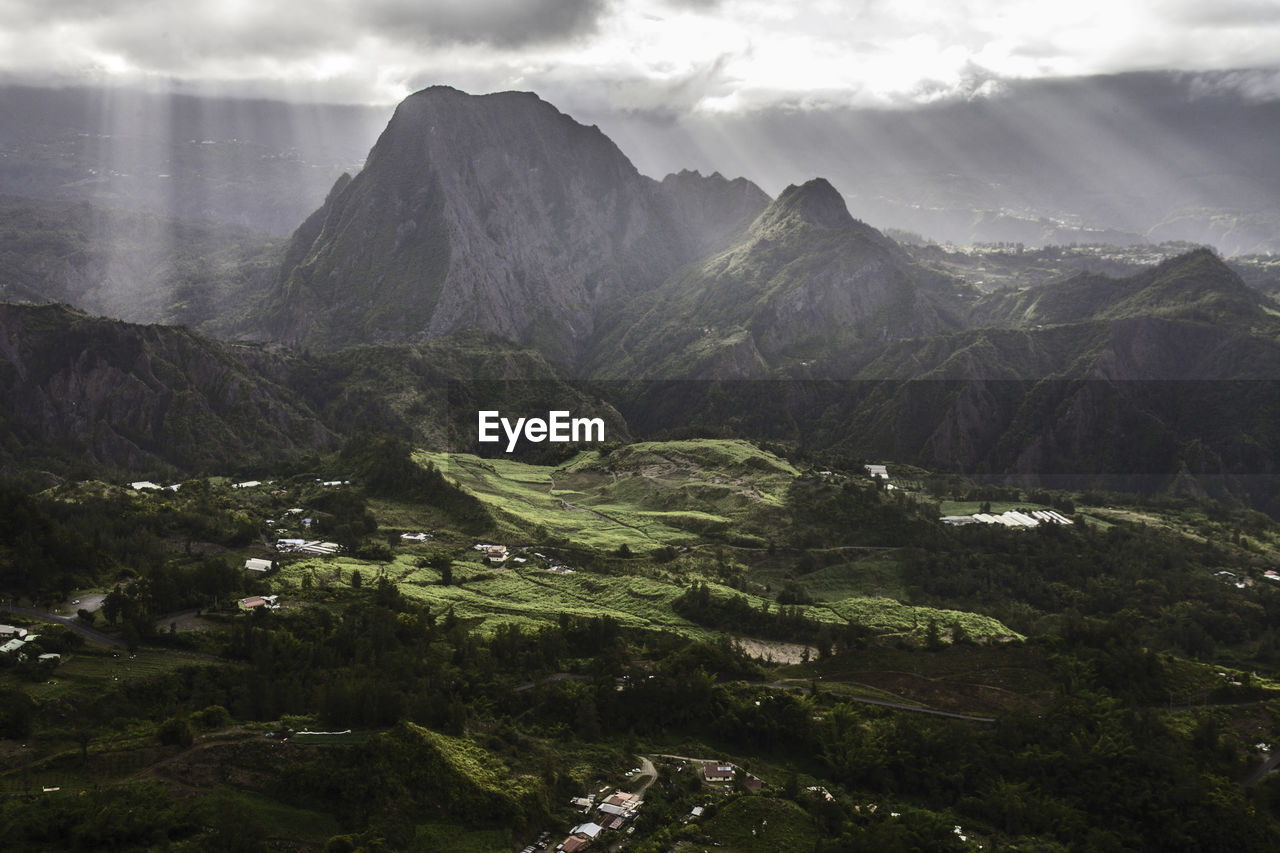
(932, 636)
(17, 711)
(113, 605)
(356, 579)
(132, 639)
(443, 564)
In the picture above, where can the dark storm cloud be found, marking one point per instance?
(505, 23)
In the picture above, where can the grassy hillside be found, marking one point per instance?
(643, 496)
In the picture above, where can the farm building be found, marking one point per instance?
(587, 830)
(713, 772)
(256, 565)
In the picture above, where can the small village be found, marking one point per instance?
(612, 811)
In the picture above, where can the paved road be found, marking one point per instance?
(646, 770)
(76, 625)
(96, 636)
(91, 602)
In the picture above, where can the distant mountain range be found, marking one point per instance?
(494, 248)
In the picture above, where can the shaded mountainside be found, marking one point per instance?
(496, 212)
(430, 393)
(98, 393)
(807, 279)
(93, 395)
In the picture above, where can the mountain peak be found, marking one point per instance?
(496, 212)
(815, 202)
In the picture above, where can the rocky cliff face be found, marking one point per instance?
(709, 212)
(494, 212)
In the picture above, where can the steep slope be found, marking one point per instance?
(494, 212)
(805, 280)
(710, 211)
(430, 393)
(92, 393)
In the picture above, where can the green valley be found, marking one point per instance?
(496, 638)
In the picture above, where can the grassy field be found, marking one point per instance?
(529, 595)
(644, 495)
(91, 669)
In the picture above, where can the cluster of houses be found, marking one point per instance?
(1012, 518)
(612, 814)
(15, 640)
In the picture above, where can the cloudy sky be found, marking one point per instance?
(684, 56)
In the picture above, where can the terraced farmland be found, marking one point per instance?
(644, 496)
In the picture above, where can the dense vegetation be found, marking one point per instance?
(1098, 732)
